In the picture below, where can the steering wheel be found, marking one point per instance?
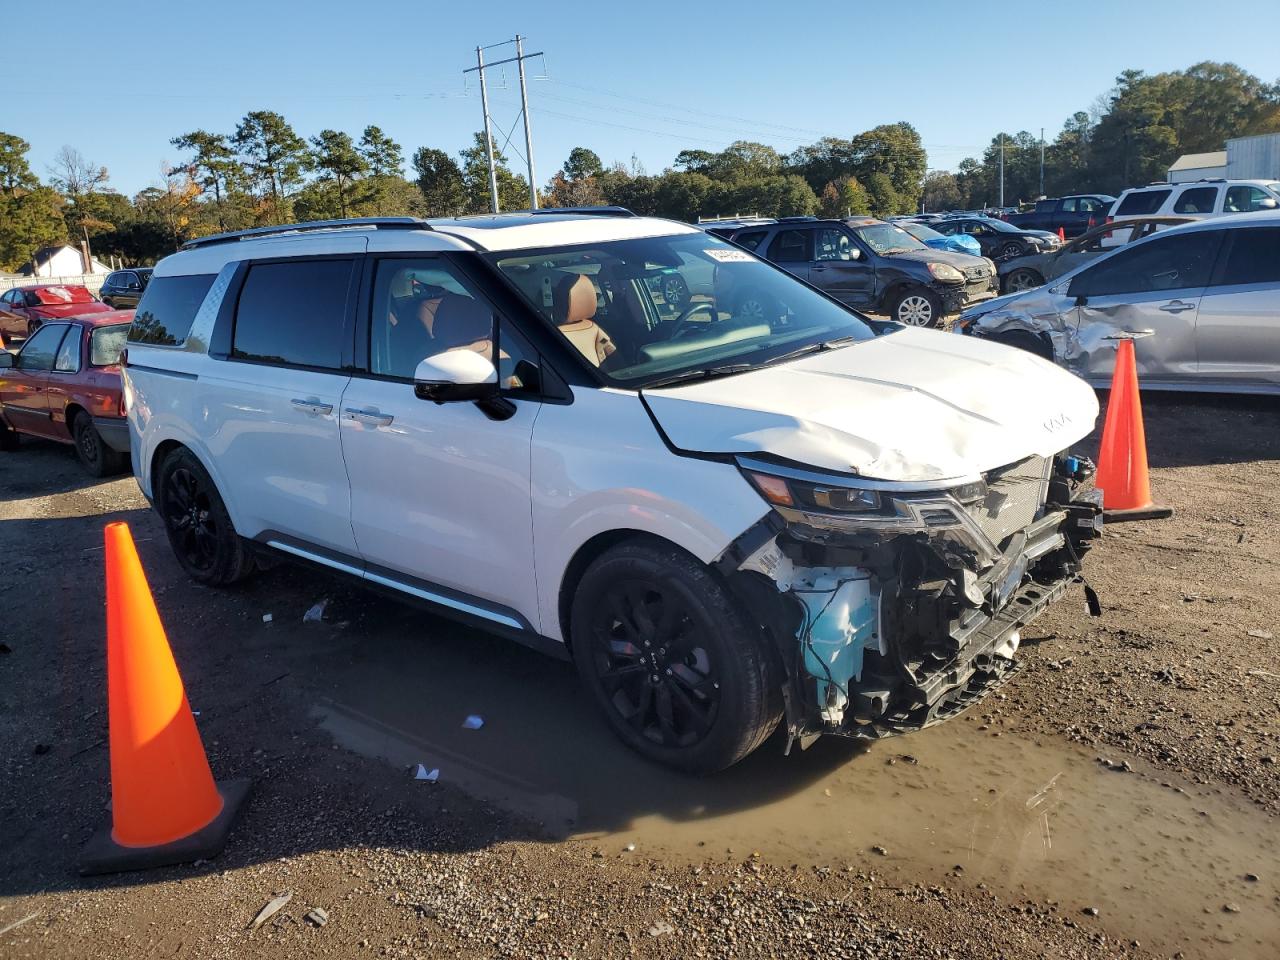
(681, 324)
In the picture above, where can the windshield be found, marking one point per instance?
(885, 238)
(1001, 226)
(646, 310)
(921, 232)
(105, 344)
(55, 295)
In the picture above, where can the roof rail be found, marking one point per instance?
(600, 211)
(377, 223)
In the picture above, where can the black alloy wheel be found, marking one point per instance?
(654, 668)
(666, 653)
(196, 520)
(1010, 250)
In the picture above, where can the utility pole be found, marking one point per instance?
(488, 130)
(1002, 169)
(480, 67)
(528, 135)
(1042, 161)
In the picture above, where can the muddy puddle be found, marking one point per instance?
(1042, 820)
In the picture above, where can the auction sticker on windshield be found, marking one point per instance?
(729, 256)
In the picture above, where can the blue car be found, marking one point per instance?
(960, 243)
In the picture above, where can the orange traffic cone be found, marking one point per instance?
(1062, 233)
(165, 806)
(1122, 458)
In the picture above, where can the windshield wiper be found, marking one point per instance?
(704, 373)
(809, 348)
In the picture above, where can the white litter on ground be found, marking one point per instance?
(473, 722)
(266, 618)
(316, 613)
(431, 776)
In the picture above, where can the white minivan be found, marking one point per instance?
(724, 521)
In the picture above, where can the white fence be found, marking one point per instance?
(93, 281)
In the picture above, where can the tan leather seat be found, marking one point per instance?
(463, 323)
(574, 306)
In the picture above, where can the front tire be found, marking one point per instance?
(1011, 250)
(1024, 278)
(917, 307)
(665, 653)
(96, 457)
(196, 520)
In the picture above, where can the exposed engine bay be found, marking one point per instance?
(912, 613)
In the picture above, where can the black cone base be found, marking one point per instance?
(103, 855)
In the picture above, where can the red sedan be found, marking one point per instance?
(64, 384)
(23, 309)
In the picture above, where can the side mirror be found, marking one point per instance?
(455, 375)
(1268, 203)
(6, 359)
(855, 253)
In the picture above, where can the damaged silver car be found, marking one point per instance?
(1201, 300)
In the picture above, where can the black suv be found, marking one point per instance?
(123, 289)
(874, 266)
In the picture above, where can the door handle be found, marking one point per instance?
(314, 408)
(370, 418)
(1177, 306)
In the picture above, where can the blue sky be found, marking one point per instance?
(118, 80)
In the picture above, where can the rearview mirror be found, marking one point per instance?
(455, 375)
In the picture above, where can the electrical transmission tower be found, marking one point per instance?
(480, 68)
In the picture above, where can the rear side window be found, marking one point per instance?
(1141, 202)
(751, 239)
(1254, 257)
(1196, 200)
(167, 309)
(790, 246)
(105, 344)
(293, 313)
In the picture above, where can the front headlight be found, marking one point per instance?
(809, 497)
(990, 263)
(945, 272)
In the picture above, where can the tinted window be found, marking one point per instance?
(408, 295)
(68, 360)
(1254, 257)
(750, 240)
(1166, 263)
(1141, 202)
(832, 244)
(1091, 205)
(164, 316)
(1196, 200)
(790, 246)
(292, 313)
(105, 344)
(38, 352)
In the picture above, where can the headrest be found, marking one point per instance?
(574, 300)
(460, 321)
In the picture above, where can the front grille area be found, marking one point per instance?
(977, 273)
(1014, 497)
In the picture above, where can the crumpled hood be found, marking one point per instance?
(913, 405)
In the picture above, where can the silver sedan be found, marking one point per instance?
(1203, 299)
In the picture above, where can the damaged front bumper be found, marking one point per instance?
(906, 614)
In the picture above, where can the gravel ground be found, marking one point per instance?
(1177, 681)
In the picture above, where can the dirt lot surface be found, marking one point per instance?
(1119, 797)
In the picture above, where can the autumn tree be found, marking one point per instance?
(215, 169)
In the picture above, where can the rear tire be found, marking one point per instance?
(917, 307)
(96, 457)
(666, 654)
(196, 520)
